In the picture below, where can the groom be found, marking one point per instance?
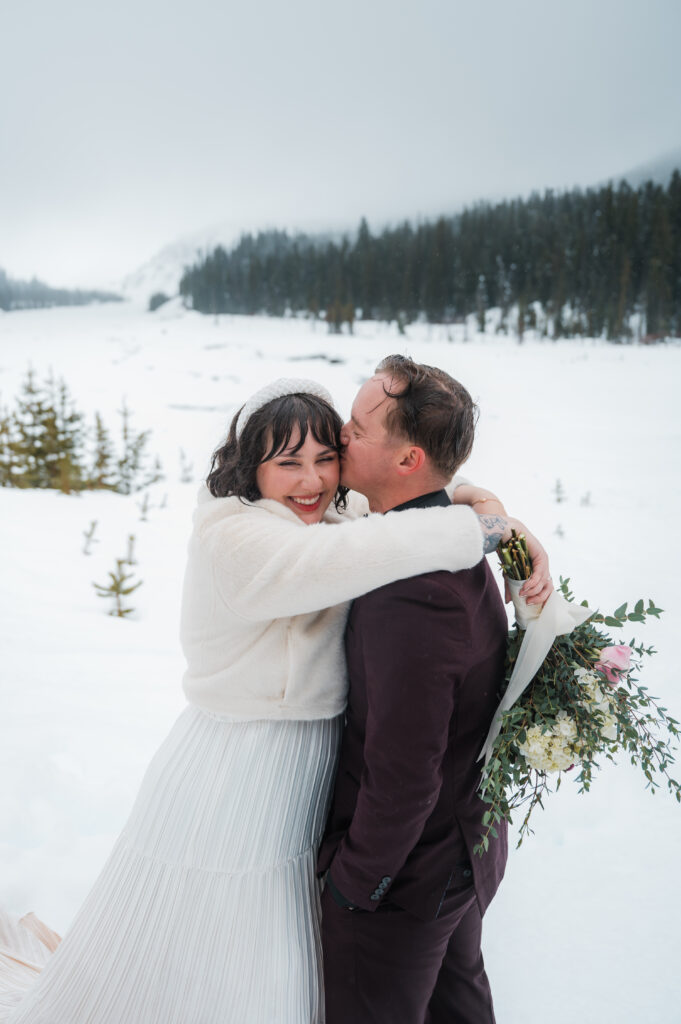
(404, 895)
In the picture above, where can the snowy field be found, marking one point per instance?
(585, 926)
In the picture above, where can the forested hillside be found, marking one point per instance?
(36, 295)
(600, 262)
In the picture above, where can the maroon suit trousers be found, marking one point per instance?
(391, 967)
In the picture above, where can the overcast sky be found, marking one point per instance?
(124, 126)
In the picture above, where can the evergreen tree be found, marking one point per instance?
(7, 456)
(67, 442)
(5, 292)
(118, 589)
(45, 437)
(157, 300)
(102, 474)
(128, 462)
(438, 272)
(674, 216)
(481, 301)
(131, 465)
(365, 272)
(586, 261)
(521, 320)
(186, 468)
(27, 432)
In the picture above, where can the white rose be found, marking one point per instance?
(565, 726)
(586, 678)
(564, 758)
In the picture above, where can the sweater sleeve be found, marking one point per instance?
(455, 482)
(267, 567)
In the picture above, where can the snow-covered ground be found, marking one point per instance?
(585, 925)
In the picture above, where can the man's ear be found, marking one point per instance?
(413, 458)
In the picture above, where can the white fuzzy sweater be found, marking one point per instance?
(266, 597)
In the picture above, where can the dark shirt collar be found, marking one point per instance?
(435, 499)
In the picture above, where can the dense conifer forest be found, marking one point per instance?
(36, 295)
(601, 262)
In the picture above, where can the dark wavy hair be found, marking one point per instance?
(265, 435)
(431, 410)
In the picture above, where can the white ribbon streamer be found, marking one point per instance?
(542, 624)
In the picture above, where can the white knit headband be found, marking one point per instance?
(278, 389)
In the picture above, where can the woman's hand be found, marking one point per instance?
(539, 587)
(497, 529)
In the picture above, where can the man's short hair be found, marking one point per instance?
(432, 410)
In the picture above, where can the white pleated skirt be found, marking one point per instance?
(207, 911)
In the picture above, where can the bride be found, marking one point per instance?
(207, 910)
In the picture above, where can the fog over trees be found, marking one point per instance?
(600, 262)
(35, 294)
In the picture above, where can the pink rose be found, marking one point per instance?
(614, 662)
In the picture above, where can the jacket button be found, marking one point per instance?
(387, 880)
(375, 896)
(467, 873)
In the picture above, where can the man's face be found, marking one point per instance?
(369, 454)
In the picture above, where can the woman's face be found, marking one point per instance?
(305, 481)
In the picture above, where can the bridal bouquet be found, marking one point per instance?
(571, 697)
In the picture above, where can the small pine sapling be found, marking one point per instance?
(118, 589)
(559, 493)
(186, 468)
(130, 556)
(144, 507)
(90, 538)
(131, 461)
(154, 475)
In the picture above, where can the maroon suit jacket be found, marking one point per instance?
(426, 660)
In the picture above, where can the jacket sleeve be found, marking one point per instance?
(268, 567)
(412, 677)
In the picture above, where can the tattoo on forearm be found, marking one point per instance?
(493, 529)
